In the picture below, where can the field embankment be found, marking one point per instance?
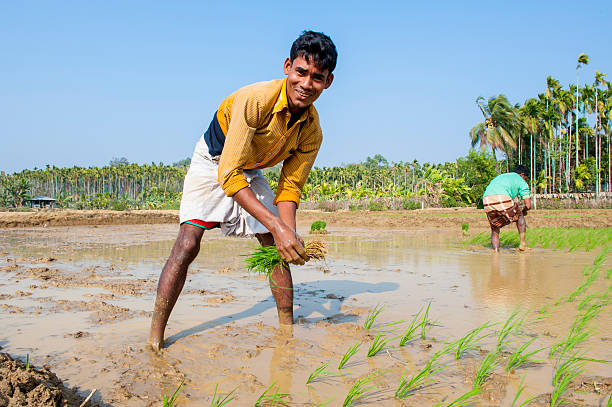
(440, 218)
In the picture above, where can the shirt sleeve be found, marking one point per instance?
(523, 189)
(238, 143)
(296, 168)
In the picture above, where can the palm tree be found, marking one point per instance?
(500, 128)
(529, 115)
(583, 59)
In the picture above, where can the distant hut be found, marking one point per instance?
(41, 202)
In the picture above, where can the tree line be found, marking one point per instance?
(562, 134)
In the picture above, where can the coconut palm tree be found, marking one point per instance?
(583, 59)
(500, 128)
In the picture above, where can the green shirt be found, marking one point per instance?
(510, 184)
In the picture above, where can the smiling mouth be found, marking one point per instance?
(302, 95)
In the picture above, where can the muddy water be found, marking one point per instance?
(78, 299)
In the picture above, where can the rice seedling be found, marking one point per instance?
(520, 390)
(464, 229)
(565, 372)
(265, 258)
(462, 400)
(609, 273)
(27, 362)
(172, 401)
(360, 387)
(609, 403)
(521, 356)
(558, 238)
(485, 369)
(426, 323)
(318, 226)
(511, 326)
(272, 399)
(377, 344)
(372, 316)
(326, 402)
(470, 340)
(217, 401)
(349, 354)
(408, 385)
(317, 372)
(410, 332)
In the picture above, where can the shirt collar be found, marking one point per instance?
(282, 104)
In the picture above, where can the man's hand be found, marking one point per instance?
(288, 244)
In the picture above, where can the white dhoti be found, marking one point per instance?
(204, 199)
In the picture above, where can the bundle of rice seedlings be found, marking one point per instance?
(265, 259)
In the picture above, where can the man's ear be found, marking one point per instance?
(330, 79)
(287, 66)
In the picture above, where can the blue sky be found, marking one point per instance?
(83, 82)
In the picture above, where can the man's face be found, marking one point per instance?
(305, 82)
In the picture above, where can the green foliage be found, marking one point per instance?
(349, 354)
(360, 387)
(372, 316)
(470, 340)
(269, 398)
(557, 238)
(412, 328)
(478, 169)
(318, 225)
(217, 401)
(411, 205)
(463, 400)
(316, 372)
(485, 369)
(377, 344)
(263, 260)
(172, 400)
(521, 357)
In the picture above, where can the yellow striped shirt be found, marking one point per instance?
(254, 120)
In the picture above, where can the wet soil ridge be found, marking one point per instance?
(35, 387)
(444, 218)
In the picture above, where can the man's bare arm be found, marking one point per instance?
(527, 202)
(288, 243)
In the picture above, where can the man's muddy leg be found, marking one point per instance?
(521, 226)
(172, 279)
(281, 285)
(495, 238)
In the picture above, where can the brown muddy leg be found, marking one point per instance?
(495, 238)
(521, 226)
(172, 280)
(281, 285)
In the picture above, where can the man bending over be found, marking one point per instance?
(500, 206)
(256, 127)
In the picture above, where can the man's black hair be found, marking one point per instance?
(521, 169)
(317, 46)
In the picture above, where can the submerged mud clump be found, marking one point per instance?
(38, 387)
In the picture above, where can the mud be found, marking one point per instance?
(78, 300)
(424, 218)
(22, 385)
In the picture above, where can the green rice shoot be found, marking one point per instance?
(463, 400)
(349, 354)
(316, 372)
(485, 369)
(372, 316)
(521, 389)
(217, 401)
(269, 398)
(377, 344)
(521, 357)
(172, 400)
(410, 332)
(554, 238)
(265, 259)
(360, 387)
(469, 341)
